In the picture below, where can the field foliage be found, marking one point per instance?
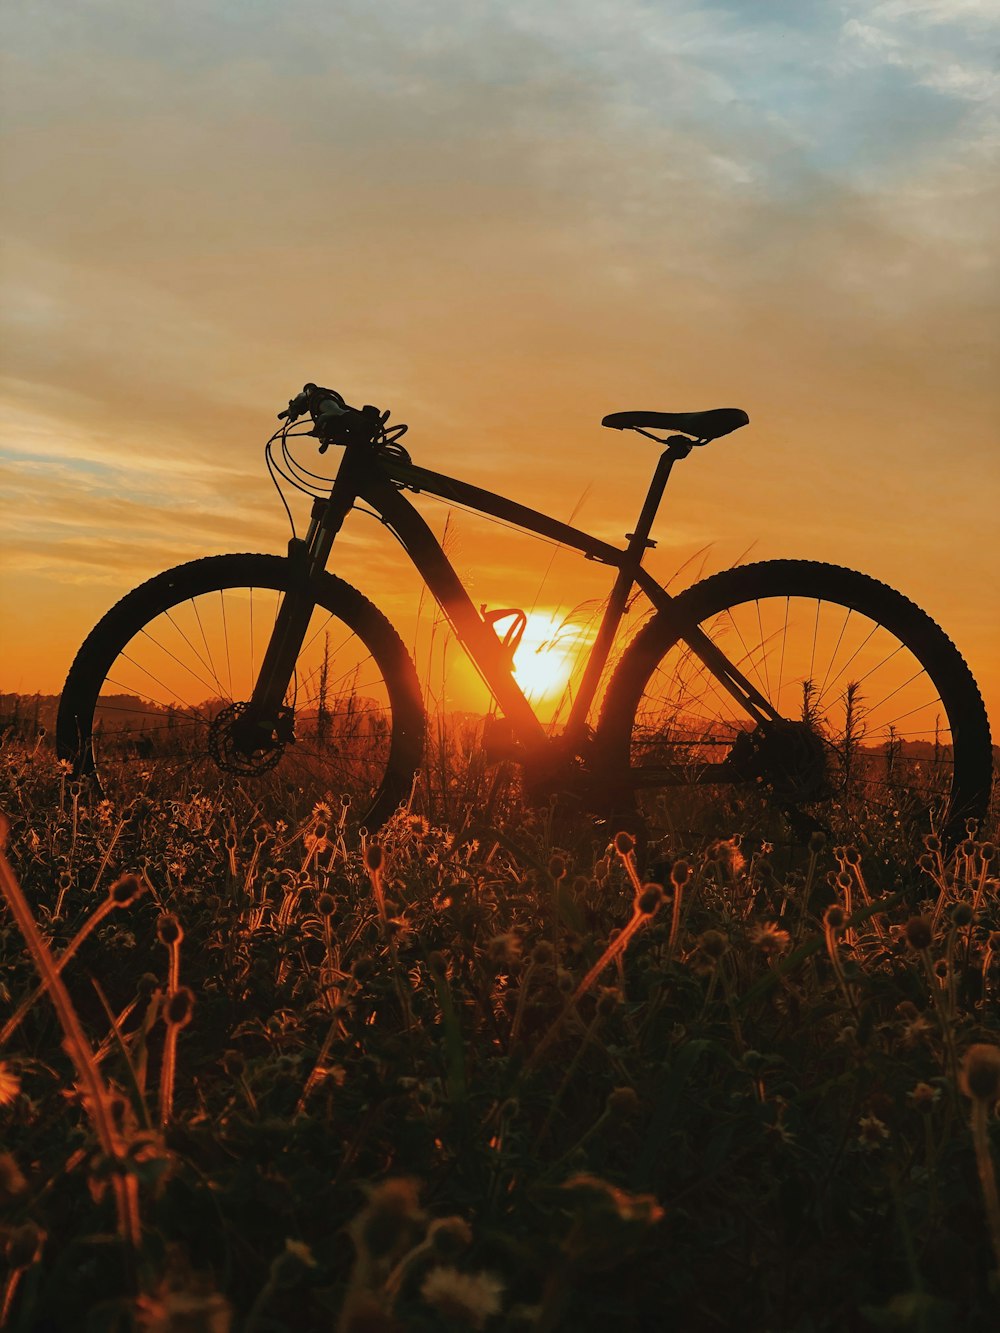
(495, 1068)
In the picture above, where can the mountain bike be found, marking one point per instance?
(269, 677)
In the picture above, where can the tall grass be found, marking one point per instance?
(505, 1071)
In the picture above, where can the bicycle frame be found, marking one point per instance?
(379, 480)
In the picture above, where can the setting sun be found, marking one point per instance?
(546, 655)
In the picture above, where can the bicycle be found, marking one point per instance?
(797, 679)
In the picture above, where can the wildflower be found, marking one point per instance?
(872, 1133)
(470, 1298)
(543, 953)
(924, 1096)
(504, 949)
(727, 855)
(642, 1208)
(386, 1223)
(171, 1308)
(12, 1181)
(326, 904)
(10, 1084)
(961, 914)
(915, 1031)
(769, 938)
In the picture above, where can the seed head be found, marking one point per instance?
(623, 1103)
(557, 868)
(932, 842)
(680, 873)
(834, 917)
(543, 953)
(979, 1077)
(124, 891)
(387, 1221)
(624, 843)
(817, 841)
(852, 856)
(233, 1063)
(169, 930)
(326, 904)
(179, 1008)
(649, 901)
(919, 932)
(374, 858)
(24, 1245)
(713, 943)
(961, 914)
(608, 1001)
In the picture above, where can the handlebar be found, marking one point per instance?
(334, 420)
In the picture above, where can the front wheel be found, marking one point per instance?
(153, 700)
(878, 709)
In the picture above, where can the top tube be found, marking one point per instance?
(487, 502)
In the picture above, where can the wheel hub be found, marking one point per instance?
(240, 743)
(790, 757)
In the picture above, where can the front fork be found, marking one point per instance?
(268, 722)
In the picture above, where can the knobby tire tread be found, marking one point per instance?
(212, 573)
(963, 703)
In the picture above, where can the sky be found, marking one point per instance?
(501, 220)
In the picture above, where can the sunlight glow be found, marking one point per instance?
(544, 661)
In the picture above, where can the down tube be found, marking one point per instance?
(478, 639)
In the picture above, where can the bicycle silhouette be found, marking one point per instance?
(266, 674)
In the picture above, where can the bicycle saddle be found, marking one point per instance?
(700, 425)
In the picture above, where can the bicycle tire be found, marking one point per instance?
(960, 785)
(167, 745)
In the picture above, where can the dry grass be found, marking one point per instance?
(490, 1070)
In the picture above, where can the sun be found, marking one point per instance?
(545, 657)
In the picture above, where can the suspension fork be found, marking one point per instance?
(267, 719)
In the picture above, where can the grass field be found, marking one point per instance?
(492, 1069)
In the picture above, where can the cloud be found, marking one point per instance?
(501, 220)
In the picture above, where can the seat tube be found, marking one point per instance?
(638, 541)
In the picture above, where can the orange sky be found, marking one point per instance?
(501, 221)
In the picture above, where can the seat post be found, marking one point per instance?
(677, 447)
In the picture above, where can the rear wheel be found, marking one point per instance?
(880, 711)
(153, 700)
